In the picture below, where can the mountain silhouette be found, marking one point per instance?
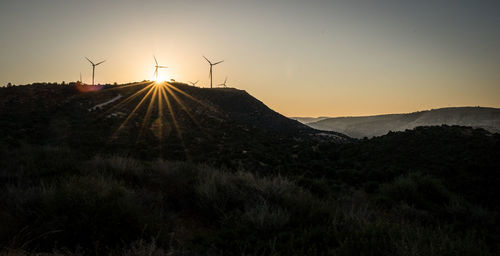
(370, 126)
(169, 120)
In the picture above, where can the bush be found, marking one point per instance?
(90, 211)
(421, 191)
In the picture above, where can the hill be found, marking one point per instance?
(170, 120)
(369, 126)
(171, 169)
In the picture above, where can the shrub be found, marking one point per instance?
(38, 162)
(92, 210)
(265, 216)
(422, 191)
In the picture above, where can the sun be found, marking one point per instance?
(159, 79)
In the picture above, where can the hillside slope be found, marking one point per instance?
(79, 165)
(369, 126)
(147, 120)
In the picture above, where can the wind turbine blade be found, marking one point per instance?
(162, 66)
(155, 60)
(89, 61)
(218, 62)
(100, 62)
(207, 60)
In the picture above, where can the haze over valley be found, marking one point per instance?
(369, 126)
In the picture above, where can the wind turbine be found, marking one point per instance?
(193, 84)
(93, 68)
(224, 84)
(156, 68)
(80, 77)
(211, 65)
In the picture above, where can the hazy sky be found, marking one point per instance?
(301, 58)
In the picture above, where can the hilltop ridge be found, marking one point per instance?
(171, 120)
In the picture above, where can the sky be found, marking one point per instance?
(301, 58)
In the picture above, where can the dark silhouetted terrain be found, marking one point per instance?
(186, 122)
(88, 172)
(369, 126)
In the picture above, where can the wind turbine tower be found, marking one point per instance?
(93, 68)
(211, 65)
(156, 68)
(224, 84)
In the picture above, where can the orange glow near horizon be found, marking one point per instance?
(306, 58)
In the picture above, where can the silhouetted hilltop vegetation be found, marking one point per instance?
(195, 122)
(229, 176)
(369, 126)
(220, 103)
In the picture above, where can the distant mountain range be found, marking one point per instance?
(370, 126)
(306, 120)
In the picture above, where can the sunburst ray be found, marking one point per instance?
(147, 116)
(174, 119)
(124, 123)
(130, 98)
(183, 106)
